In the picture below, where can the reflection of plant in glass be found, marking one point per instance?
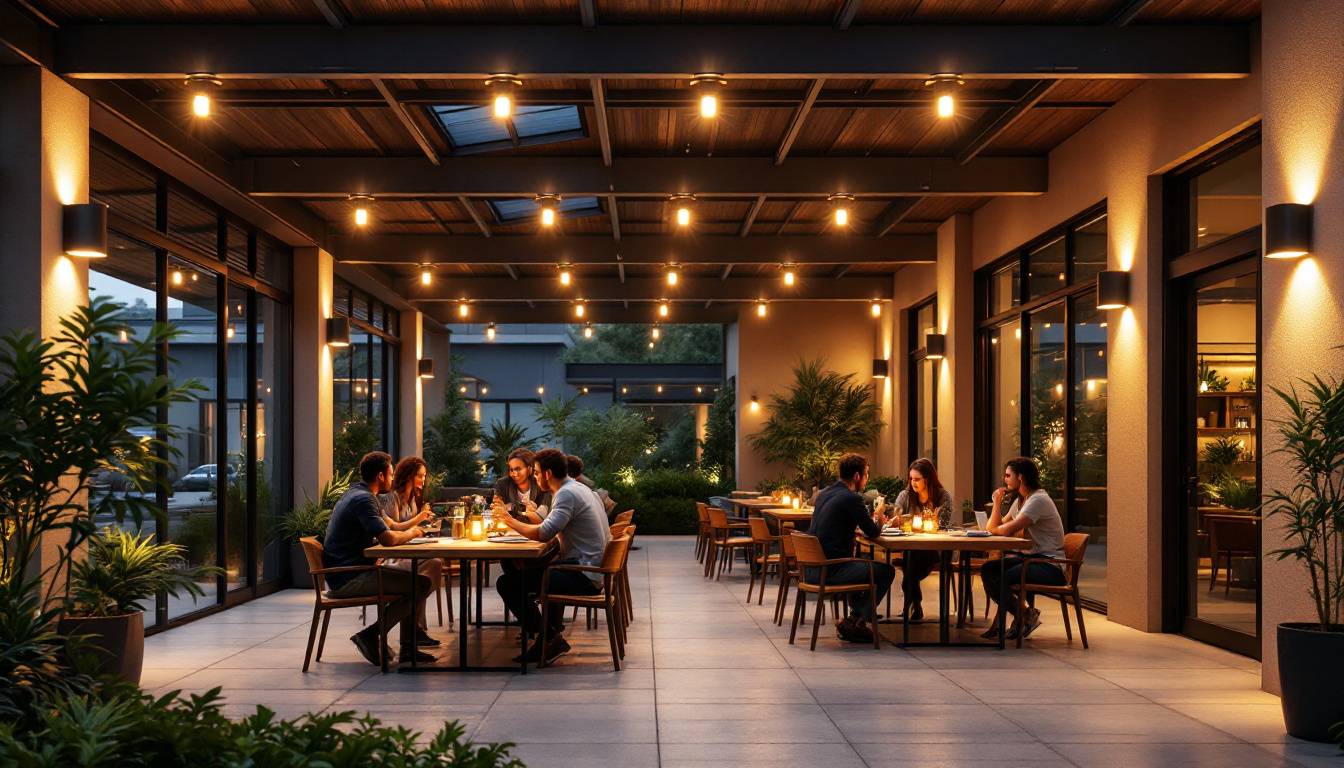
(718, 451)
(451, 437)
(1209, 380)
(360, 434)
(1047, 426)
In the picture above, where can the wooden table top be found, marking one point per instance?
(948, 541)
(464, 549)
(764, 502)
(789, 515)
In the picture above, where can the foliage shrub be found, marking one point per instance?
(663, 500)
(886, 485)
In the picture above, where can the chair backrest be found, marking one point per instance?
(614, 553)
(702, 509)
(626, 516)
(618, 528)
(808, 549)
(312, 549)
(786, 544)
(718, 518)
(1234, 533)
(760, 530)
(1075, 548)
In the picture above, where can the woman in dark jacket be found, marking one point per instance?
(927, 497)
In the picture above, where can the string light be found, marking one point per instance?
(708, 86)
(840, 207)
(660, 389)
(201, 86)
(788, 273)
(944, 90)
(662, 309)
(565, 274)
(490, 332)
(501, 88)
(587, 330)
(362, 203)
(425, 275)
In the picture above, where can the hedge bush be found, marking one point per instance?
(663, 500)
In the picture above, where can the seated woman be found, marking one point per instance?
(1032, 514)
(520, 493)
(403, 508)
(925, 496)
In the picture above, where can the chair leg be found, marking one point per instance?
(799, 606)
(816, 620)
(614, 634)
(322, 638)
(1213, 574)
(782, 599)
(751, 567)
(1064, 609)
(1021, 608)
(872, 608)
(1078, 610)
(438, 603)
(541, 638)
(312, 638)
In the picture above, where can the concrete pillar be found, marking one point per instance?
(44, 164)
(434, 391)
(314, 281)
(1302, 316)
(410, 389)
(956, 379)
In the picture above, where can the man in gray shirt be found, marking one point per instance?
(1032, 514)
(575, 512)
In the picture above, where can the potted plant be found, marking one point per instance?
(310, 519)
(1311, 654)
(108, 589)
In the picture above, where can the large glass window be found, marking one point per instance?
(1224, 199)
(364, 383)
(1088, 505)
(1047, 398)
(1005, 395)
(923, 383)
(273, 437)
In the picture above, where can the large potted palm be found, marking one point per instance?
(818, 419)
(310, 519)
(1311, 654)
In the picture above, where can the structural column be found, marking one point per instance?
(410, 387)
(1302, 311)
(956, 376)
(314, 281)
(436, 344)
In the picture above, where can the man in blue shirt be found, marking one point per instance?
(577, 513)
(839, 510)
(356, 524)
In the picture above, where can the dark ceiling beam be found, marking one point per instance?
(615, 215)
(28, 39)
(600, 109)
(992, 126)
(751, 216)
(626, 98)
(407, 121)
(549, 313)
(727, 270)
(475, 215)
(512, 270)
(588, 13)
(848, 10)
(1128, 10)
(894, 214)
(799, 117)
(430, 51)
(634, 249)
(840, 271)
(328, 10)
(803, 177)
(646, 289)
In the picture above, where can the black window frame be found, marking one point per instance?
(918, 354)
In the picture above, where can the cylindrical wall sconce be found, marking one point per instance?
(879, 368)
(755, 404)
(1112, 289)
(426, 367)
(1287, 231)
(935, 346)
(84, 230)
(338, 331)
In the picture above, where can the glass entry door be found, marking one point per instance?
(1221, 525)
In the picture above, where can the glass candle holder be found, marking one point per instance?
(917, 523)
(477, 529)
(797, 503)
(784, 499)
(930, 525)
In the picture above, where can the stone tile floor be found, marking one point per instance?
(709, 680)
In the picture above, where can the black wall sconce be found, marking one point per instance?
(935, 346)
(879, 368)
(338, 331)
(84, 230)
(426, 367)
(1112, 289)
(1287, 231)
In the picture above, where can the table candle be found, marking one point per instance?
(477, 529)
(917, 524)
(930, 525)
(784, 499)
(797, 503)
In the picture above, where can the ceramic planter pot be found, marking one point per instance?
(298, 567)
(115, 643)
(1311, 675)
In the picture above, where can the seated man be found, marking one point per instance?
(576, 513)
(574, 465)
(1032, 513)
(356, 524)
(839, 510)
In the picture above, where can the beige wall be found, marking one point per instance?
(1115, 158)
(312, 371)
(845, 333)
(1302, 313)
(956, 375)
(410, 387)
(912, 285)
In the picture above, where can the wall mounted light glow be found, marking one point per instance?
(548, 204)
(879, 368)
(1287, 230)
(708, 86)
(683, 203)
(840, 205)
(490, 332)
(541, 390)
(565, 274)
(755, 404)
(673, 272)
(944, 92)
(84, 230)
(788, 273)
(587, 330)
(877, 309)
(760, 307)
(228, 331)
(201, 86)
(662, 309)
(425, 367)
(501, 88)
(935, 346)
(426, 275)
(338, 331)
(1112, 289)
(362, 203)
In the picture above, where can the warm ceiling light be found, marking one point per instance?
(877, 309)
(788, 273)
(462, 389)
(490, 332)
(944, 90)
(587, 330)
(462, 308)
(1287, 230)
(699, 390)
(840, 206)
(485, 390)
(709, 86)
(565, 271)
(683, 205)
(625, 390)
(425, 275)
(200, 86)
(578, 309)
(177, 277)
(662, 309)
(195, 277)
(548, 205)
(362, 203)
(656, 332)
(84, 230)
(672, 271)
(760, 307)
(501, 89)
(660, 389)
(541, 390)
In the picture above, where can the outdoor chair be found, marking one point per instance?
(810, 554)
(1231, 536)
(761, 558)
(324, 605)
(609, 600)
(788, 571)
(702, 531)
(1075, 547)
(722, 544)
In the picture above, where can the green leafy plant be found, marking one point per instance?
(34, 656)
(360, 433)
(887, 485)
(1209, 379)
(1312, 510)
(821, 416)
(664, 500)
(452, 437)
(1248, 383)
(1231, 491)
(500, 440)
(1224, 451)
(123, 569)
(612, 440)
(554, 416)
(629, 343)
(718, 451)
(311, 517)
(780, 482)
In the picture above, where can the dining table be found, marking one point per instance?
(757, 504)
(526, 553)
(800, 518)
(945, 543)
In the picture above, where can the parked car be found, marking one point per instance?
(202, 478)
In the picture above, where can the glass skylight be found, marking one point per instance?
(475, 129)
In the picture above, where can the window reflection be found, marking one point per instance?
(1225, 199)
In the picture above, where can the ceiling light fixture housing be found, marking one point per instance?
(549, 204)
(362, 204)
(840, 205)
(201, 86)
(84, 230)
(683, 204)
(709, 86)
(944, 92)
(501, 89)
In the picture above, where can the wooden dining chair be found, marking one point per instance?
(788, 571)
(609, 600)
(810, 555)
(702, 532)
(590, 621)
(625, 517)
(1231, 536)
(324, 605)
(762, 541)
(1075, 547)
(723, 545)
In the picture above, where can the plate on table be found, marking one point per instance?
(894, 532)
(978, 534)
(510, 539)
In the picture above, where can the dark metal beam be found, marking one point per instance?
(727, 270)
(407, 121)
(25, 38)
(1128, 10)
(810, 177)
(280, 51)
(799, 117)
(600, 109)
(634, 249)
(588, 13)
(992, 126)
(840, 270)
(847, 12)
(646, 289)
(550, 313)
(751, 216)
(329, 12)
(615, 215)
(512, 270)
(475, 215)
(894, 214)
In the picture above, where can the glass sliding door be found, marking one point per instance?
(1087, 507)
(923, 405)
(273, 435)
(1005, 396)
(1047, 407)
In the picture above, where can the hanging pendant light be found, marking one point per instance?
(944, 93)
(202, 86)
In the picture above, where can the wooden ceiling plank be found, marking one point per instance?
(727, 270)
(992, 126)
(894, 214)
(405, 118)
(329, 12)
(600, 109)
(799, 117)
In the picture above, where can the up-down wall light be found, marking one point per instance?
(879, 368)
(338, 331)
(1112, 289)
(935, 346)
(425, 367)
(84, 230)
(1287, 231)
